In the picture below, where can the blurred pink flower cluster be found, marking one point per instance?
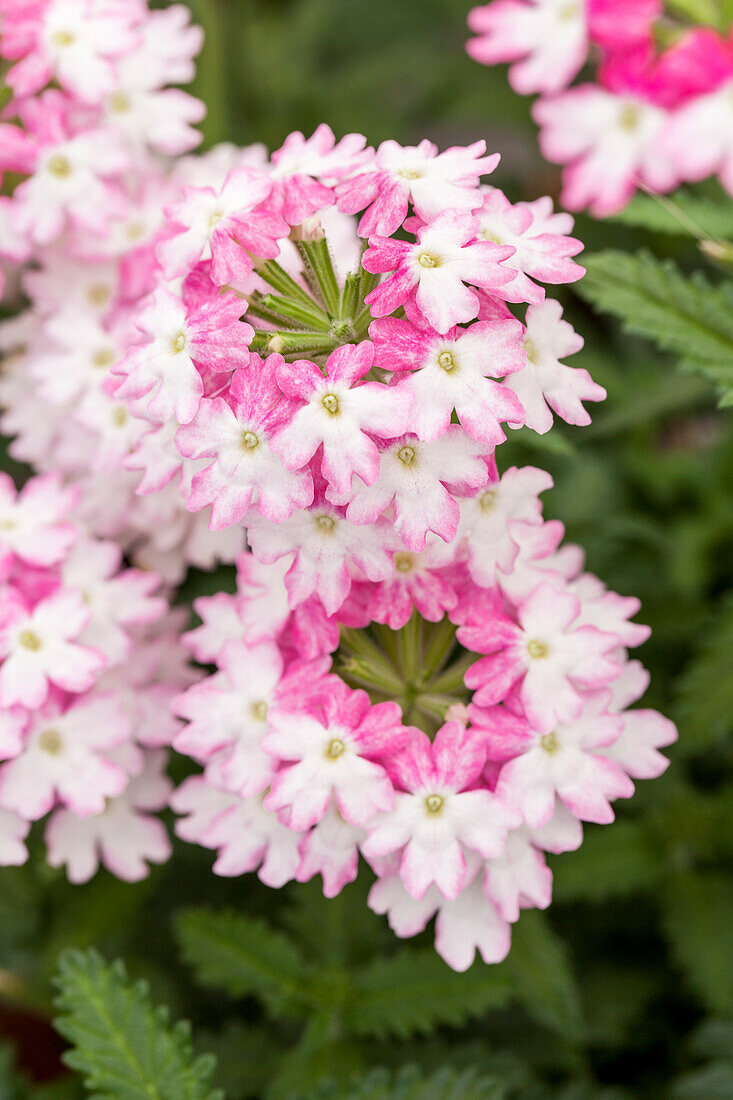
(304, 363)
(89, 660)
(654, 117)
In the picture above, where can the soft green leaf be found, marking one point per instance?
(705, 690)
(541, 967)
(681, 214)
(414, 991)
(611, 862)
(410, 1084)
(697, 918)
(244, 955)
(125, 1047)
(688, 316)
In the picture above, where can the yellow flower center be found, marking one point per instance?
(59, 165)
(537, 649)
(325, 524)
(259, 711)
(335, 748)
(404, 562)
(487, 500)
(98, 295)
(434, 803)
(63, 38)
(30, 640)
(447, 361)
(51, 742)
(630, 116)
(550, 743)
(119, 416)
(330, 403)
(407, 455)
(425, 259)
(178, 343)
(249, 441)
(119, 102)
(105, 357)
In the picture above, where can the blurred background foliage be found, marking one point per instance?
(625, 989)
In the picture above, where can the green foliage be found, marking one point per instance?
(545, 982)
(410, 1084)
(611, 862)
(408, 992)
(124, 1047)
(712, 1042)
(683, 214)
(686, 315)
(244, 955)
(414, 991)
(698, 917)
(705, 696)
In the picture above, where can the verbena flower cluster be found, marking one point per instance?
(452, 722)
(89, 661)
(304, 363)
(656, 116)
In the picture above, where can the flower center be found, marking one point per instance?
(105, 357)
(325, 523)
(404, 562)
(330, 403)
(335, 748)
(537, 649)
(98, 295)
(487, 500)
(30, 640)
(629, 117)
(51, 742)
(258, 710)
(568, 11)
(410, 173)
(447, 361)
(119, 416)
(434, 803)
(407, 455)
(549, 743)
(249, 441)
(7, 524)
(135, 231)
(426, 259)
(119, 103)
(178, 343)
(63, 38)
(59, 165)
(531, 349)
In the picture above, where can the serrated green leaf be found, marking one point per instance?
(244, 955)
(125, 1047)
(540, 965)
(705, 690)
(714, 1082)
(414, 991)
(410, 1084)
(681, 214)
(697, 919)
(688, 316)
(611, 862)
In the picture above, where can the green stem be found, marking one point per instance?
(298, 314)
(279, 280)
(319, 267)
(289, 343)
(441, 640)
